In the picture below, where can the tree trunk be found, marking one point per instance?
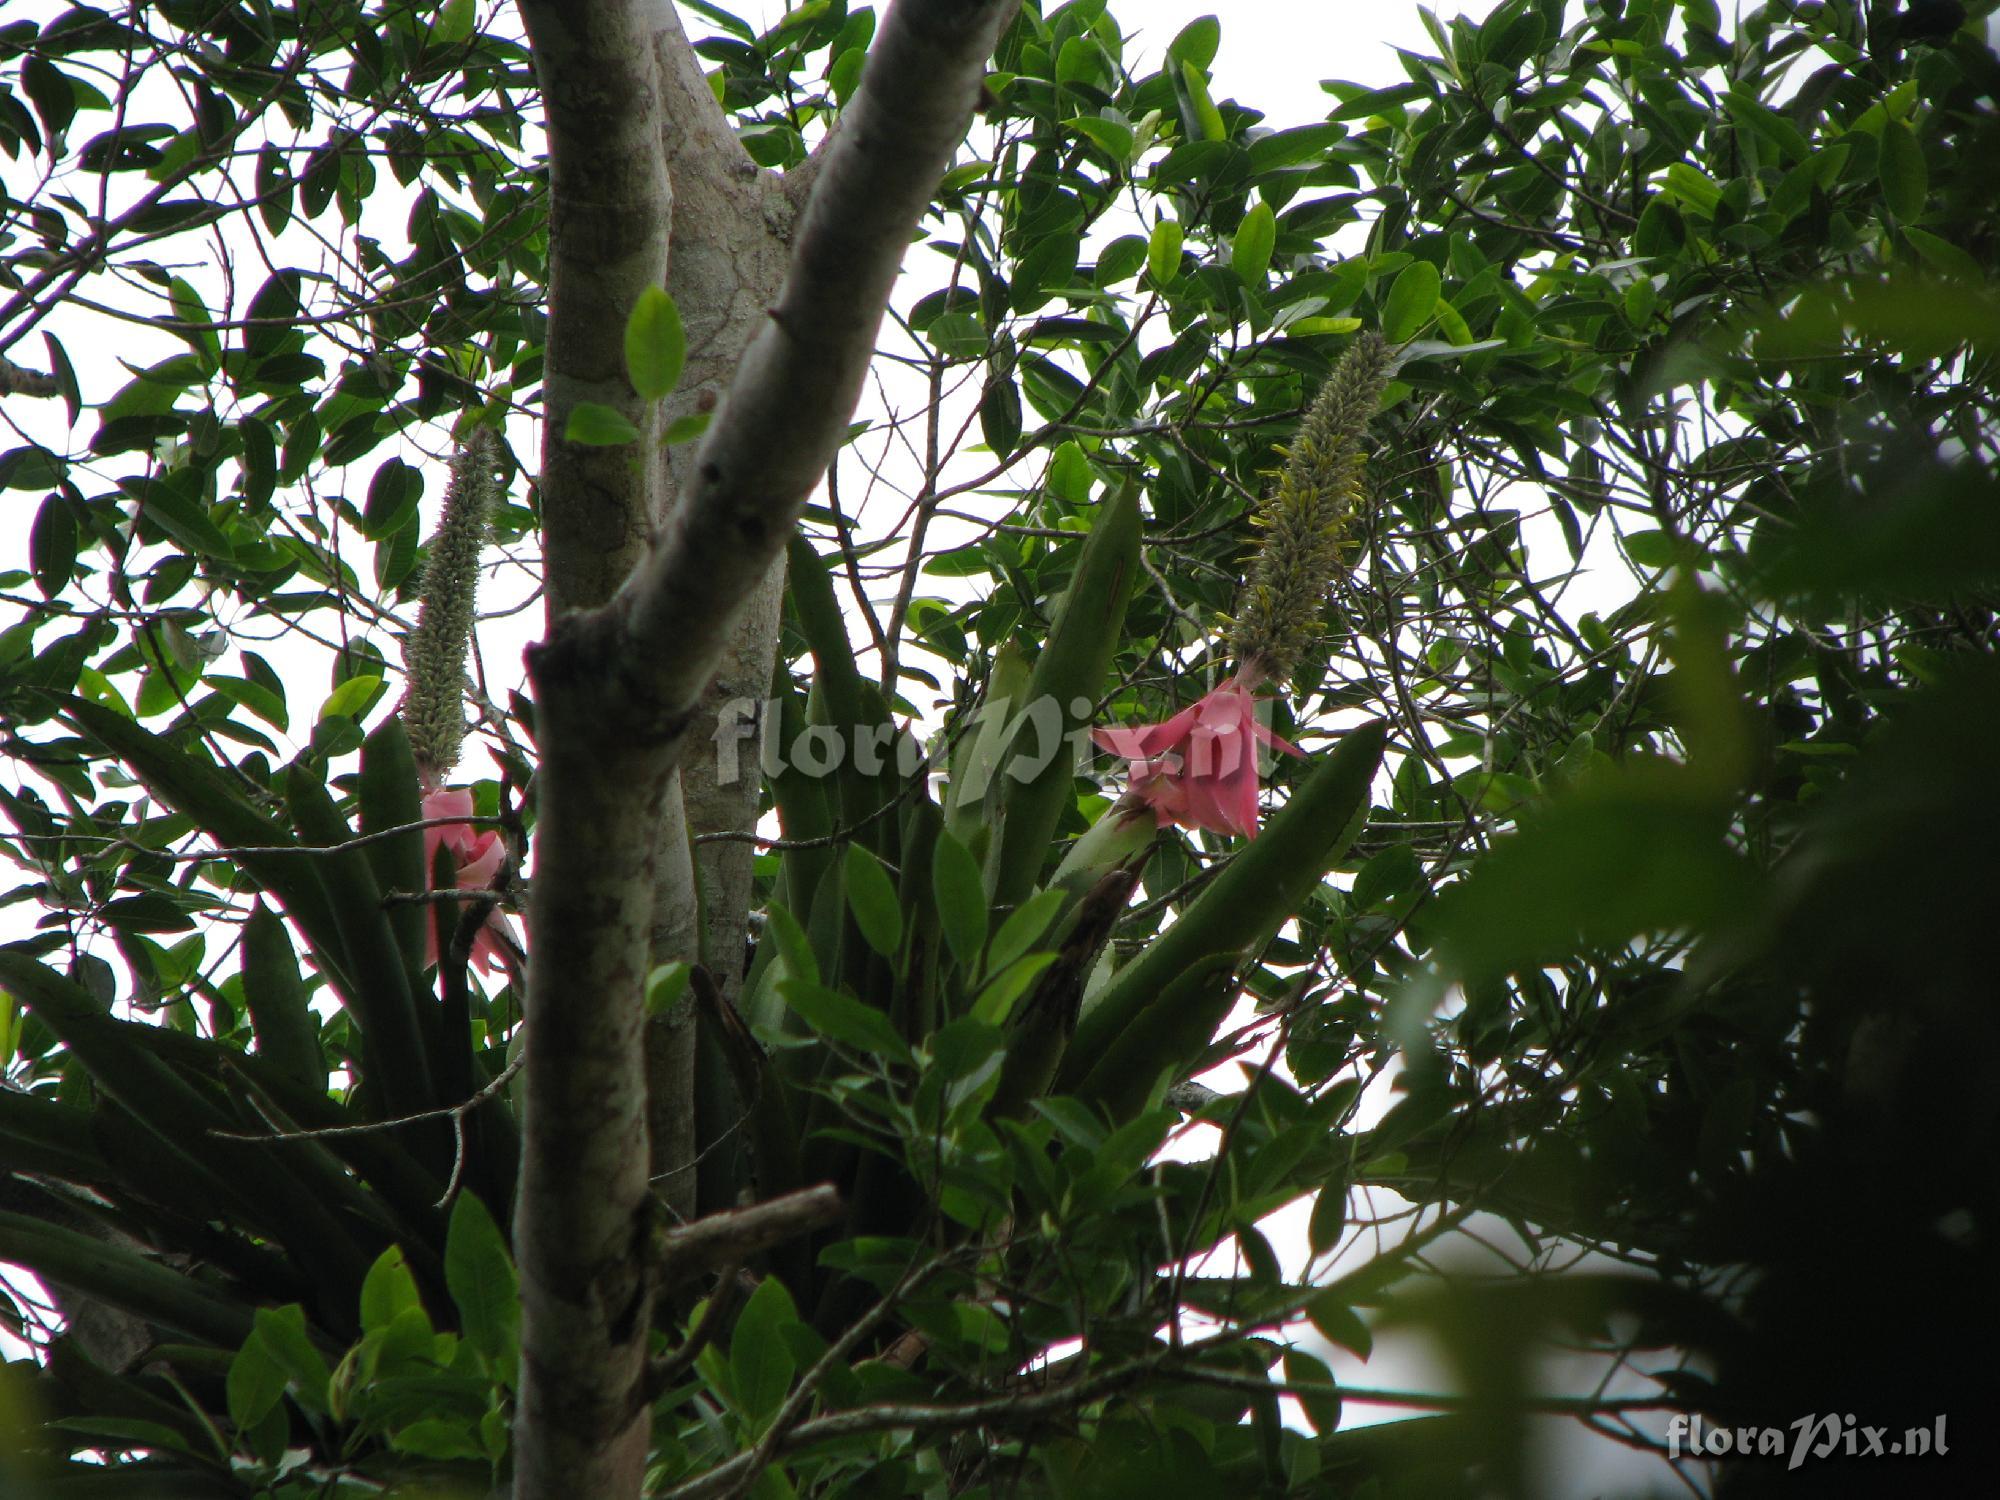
(638, 631)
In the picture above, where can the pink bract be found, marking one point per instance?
(477, 854)
(1199, 768)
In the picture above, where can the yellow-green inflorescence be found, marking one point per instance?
(1307, 515)
(434, 653)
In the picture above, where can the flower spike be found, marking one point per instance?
(1306, 517)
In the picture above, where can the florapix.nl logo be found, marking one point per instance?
(1819, 1436)
(1015, 741)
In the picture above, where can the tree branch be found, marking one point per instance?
(618, 688)
(16, 380)
(734, 1235)
(731, 1476)
(788, 408)
(610, 213)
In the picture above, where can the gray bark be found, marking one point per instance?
(730, 244)
(621, 679)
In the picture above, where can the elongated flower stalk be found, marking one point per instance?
(434, 699)
(1306, 518)
(434, 653)
(1200, 768)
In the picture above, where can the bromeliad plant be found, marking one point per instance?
(358, 1152)
(1201, 768)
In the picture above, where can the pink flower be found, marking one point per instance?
(1199, 768)
(477, 855)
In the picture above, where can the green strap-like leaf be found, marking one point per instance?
(1263, 885)
(1071, 669)
(393, 1043)
(142, 1287)
(286, 1028)
(961, 902)
(915, 1008)
(390, 798)
(871, 895)
(292, 1200)
(842, 700)
(805, 805)
(197, 790)
(825, 629)
(38, 1134)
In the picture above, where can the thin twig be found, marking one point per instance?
(666, 1369)
(487, 1091)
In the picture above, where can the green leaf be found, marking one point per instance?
(393, 495)
(1453, 324)
(479, 1274)
(286, 1029)
(1338, 1323)
(961, 900)
(845, 74)
(1905, 179)
(666, 985)
(454, 23)
(685, 429)
(843, 1019)
(1652, 549)
(997, 997)
(1196, 42)
(274, 190)
(1313, 327)
(597, 426)
(1390, 873)
(1250, 252)
(1292, 148)
(1113, 137)
(794, 947)
(1027, 923)
(1638, 849)
(439, 1438)
(1945, 256)
(1412, 302)
(52, 544)
(65, 376)
(118, 1277)
(390, 798)
(185, 520)
(352, 698)
(1163, 252)
(190, 310)
(1313, 1386)
(655, 345)
(381, 990)
(1328, 1219)
(1204, 119)
(388, 1291)
(872, 897)
(30, 468)
(283, 1332)
(761, 1365)
(1069, 677)
(255, 1383)
(194, 787)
